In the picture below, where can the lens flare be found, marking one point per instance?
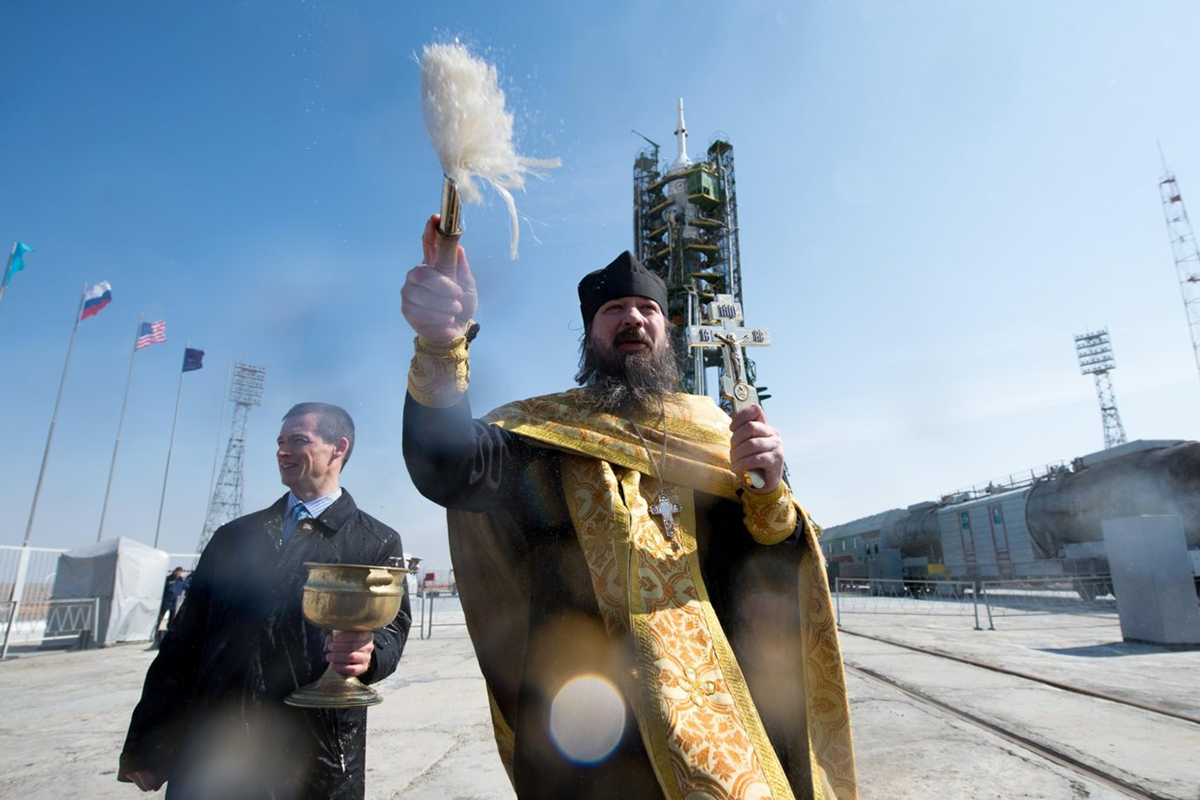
(586, 719)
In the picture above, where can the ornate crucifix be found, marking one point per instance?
(722, 319)
(665, 508)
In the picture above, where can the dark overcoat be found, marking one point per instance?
(212, 717)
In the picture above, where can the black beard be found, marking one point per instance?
(624, 382)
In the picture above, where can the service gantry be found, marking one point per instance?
(685, 229)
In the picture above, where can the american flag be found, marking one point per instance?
(151, 333)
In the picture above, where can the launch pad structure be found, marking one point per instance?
(685, 229)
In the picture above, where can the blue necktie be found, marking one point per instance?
(299, 512)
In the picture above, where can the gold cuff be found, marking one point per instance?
(439, 373)
(770, 517)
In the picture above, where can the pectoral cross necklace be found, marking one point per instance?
(663, 507)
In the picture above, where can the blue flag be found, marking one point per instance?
(192, 359)
(18, 260)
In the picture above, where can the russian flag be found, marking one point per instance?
(95, 299)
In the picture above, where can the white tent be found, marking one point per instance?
(128, 578)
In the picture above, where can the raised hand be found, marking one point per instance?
(438, 304)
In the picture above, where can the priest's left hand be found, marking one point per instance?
(755, 444)
(349, 651)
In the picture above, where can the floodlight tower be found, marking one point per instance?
(245, 390)
(1187, 257)
(1096, 359)
(685, 229)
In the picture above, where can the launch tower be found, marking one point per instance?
(685, 229)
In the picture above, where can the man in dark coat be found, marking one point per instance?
(173, 588)
(648, 624)
(212, 722)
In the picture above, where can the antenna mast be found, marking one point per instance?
(1183, 248)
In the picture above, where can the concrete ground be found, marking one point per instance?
(905, 748)
(64, 715)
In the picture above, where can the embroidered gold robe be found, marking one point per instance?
(720, 644)
(723, 645)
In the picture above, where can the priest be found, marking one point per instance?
(647, 623)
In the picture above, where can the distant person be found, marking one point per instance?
(212, 722)
(172, 590)
(636, 607)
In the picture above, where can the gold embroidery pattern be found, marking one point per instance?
(704, 739)
(699, 452)
(505, 738)
(599, 523)
(824, 677)
(602, 523)
(439, 373)
(770, 517)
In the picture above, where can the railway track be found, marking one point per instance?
(1126, 780)
(1066, 687)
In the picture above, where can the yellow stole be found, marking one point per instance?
(698, 721)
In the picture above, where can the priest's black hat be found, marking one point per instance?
(624, 277)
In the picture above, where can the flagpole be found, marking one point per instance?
(120, 424)
(53, 418)
(170, 447)
(4, 283)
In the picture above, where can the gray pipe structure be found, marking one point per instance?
(1068, 509)
(1060, 527)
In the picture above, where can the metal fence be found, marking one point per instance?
(26, 582)
(926, 598)
(448, 607)
(28, 572)
(74, 622)
(1090, 596)
(985, 601)
(28, 615)
(50, 623)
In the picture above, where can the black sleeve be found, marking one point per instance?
(160, 717)
(462, 463)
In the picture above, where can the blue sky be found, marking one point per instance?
(934, 198)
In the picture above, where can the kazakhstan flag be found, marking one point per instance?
(17, 262)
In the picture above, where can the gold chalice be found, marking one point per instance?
(347, 597)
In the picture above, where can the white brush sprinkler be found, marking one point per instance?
(472, 134)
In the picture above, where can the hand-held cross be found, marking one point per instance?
(722, 318)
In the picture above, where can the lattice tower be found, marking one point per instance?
(685, 229)
(1187, 256)
(245, 390)
(1096, 359)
